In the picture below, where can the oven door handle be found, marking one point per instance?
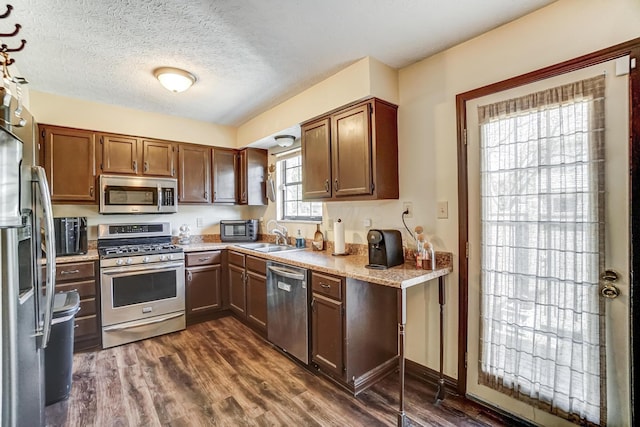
(110, 271)
(141, 323)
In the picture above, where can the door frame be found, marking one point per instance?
(631, 48)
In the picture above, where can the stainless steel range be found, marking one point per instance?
(141, 280)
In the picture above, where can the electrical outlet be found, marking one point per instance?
(366, 222)
(407, 206)
(199, 222)
(329, 224)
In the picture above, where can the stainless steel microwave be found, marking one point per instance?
(138, 195)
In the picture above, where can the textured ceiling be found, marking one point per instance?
(248, 55)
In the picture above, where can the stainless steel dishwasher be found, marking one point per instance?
(287, 308)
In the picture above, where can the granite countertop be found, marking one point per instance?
(351, 266)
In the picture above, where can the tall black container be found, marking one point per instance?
(58, 356)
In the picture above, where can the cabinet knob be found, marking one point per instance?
(206, 194)
(146, 166)
(324, 285)
(189, 276)
(326, 186)
(135, 166)
(70, 272)
(335, 184)
(91, 191)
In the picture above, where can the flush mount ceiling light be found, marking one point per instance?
(285, 140)
(174, 79)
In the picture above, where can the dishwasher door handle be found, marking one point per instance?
(290, 274)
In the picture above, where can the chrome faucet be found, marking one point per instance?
(282, 237)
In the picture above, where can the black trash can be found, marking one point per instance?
(58, 356)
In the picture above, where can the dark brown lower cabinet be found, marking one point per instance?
(257, 293)
(354, 339)
(248, 289)
(81, 277)
(327, 336)
(203, 285)
(237, 290)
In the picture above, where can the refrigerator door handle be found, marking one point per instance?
(49, 234)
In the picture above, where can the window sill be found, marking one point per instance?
(299, 221)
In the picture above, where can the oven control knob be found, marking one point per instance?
(119, 262)
(163, 257)
(129, 260)
(146, 259)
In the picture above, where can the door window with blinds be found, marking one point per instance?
(541, 208)
(291, 206)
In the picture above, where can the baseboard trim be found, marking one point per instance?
(430, 376)
(500, 414)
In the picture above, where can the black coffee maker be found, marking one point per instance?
(385, 249)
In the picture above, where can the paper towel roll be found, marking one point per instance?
(338, 237)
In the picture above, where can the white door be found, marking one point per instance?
(616, 248)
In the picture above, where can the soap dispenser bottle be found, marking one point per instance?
(299, 240)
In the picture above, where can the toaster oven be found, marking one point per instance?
(243, 230)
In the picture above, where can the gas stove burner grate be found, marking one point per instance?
(142, 249)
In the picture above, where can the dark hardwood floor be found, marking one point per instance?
(221, 373)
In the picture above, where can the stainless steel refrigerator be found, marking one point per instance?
(26, 245)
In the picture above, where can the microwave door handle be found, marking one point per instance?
(159, 198)
(49, 234)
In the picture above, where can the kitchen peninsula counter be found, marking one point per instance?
(350, 266)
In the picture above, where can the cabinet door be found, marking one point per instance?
(225, 176)
(158, 158)
(194, 180)
(257, 300)
(316, 160)
(252, 173)
(237, 294)
(203, 290)
(69, 161)
(327, 335)
(351, 152)
(120, 154)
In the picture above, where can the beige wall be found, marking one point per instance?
(71, 112)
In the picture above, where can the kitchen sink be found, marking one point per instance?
(268, 247)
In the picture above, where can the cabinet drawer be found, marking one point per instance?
(257, 265)
(327, 285)
(203, 258)
(86, 289)
(76, 270)
(87, 307)
(236, 258)
(86, 325)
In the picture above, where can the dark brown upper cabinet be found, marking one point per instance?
(158, 158)
(316, 159)
(225, 175)
(194, 173)
(119, 154)
(361, 142)
(70, 163)
(252, 174)
(133, 156)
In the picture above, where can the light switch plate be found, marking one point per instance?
(443, 210)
